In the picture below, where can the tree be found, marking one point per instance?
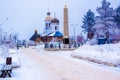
(88, 23)
(105, 24)
(117, 16)
(79, 38)
(15, 37)
(0, 36)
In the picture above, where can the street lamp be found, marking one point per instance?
(74, 33)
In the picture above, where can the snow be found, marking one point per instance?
(30, 69)
(109, 53)
(12, 51)
(15, 58)
(25, 70)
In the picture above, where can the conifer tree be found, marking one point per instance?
(105, 24)
(88, 23)
(117, 16)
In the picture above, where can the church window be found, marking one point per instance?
(49, 24)
(55, 27)
(46, 24)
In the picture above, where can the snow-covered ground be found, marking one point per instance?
(108, 54)
(37, 64)
(11, 53)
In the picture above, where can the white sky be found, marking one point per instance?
(27, 15)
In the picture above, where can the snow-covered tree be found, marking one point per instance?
(105, 25)
(15, 37)
(117, 16)
(88, 23)
(0, 36)
(79, 38)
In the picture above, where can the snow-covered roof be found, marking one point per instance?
(56, 34)
(45, 34)
(35, 36)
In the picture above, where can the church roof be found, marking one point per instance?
(35, 36)
(45, 34)
(54, 20)
(56, 34)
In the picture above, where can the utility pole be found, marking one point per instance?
(74, 34)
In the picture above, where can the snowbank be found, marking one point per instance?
(13, 54)
(108, 54)
(15, 61)
(12, 51)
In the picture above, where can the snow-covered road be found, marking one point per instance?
(44, 65)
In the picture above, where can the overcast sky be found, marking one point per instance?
(24, 16)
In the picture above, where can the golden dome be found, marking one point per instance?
(48, 18)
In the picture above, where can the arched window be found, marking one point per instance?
(46, 24)
(55, 27)
(49, 24)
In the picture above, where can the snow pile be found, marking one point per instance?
(108, 54)
(2, 60)
(40, 47)
(15, 61)
(12, 51)
(13, 54)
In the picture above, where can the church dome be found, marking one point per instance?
(54, 20)
(48, 18)
(48, 13)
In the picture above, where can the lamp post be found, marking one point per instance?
(74, 33)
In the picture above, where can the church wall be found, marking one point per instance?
(55, 25)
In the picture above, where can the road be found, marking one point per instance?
(57, 67)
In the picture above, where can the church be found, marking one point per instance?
(51, 29)
(51, 32)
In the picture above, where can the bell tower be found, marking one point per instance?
(66, 29)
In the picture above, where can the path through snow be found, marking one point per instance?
(49, 66)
